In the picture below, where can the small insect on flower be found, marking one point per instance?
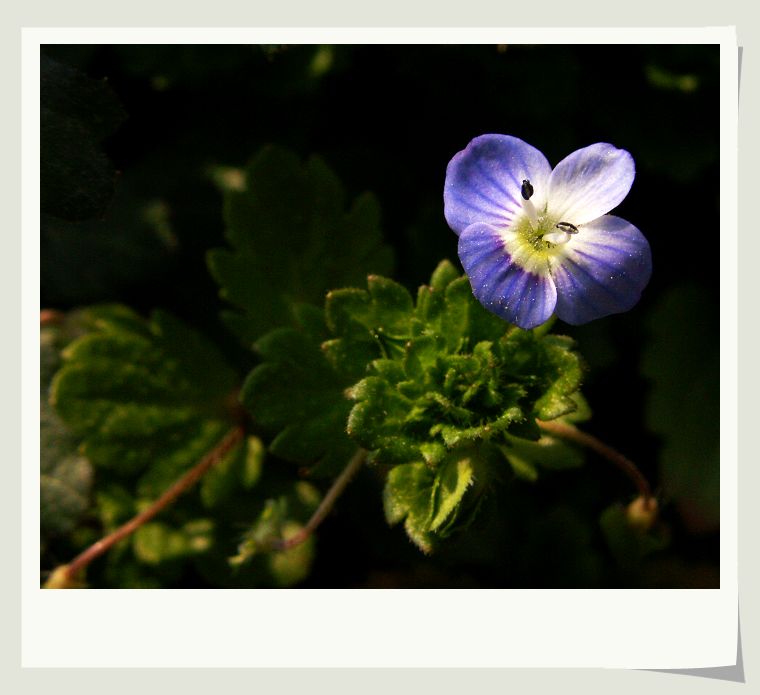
(567, 227)
(535, 240)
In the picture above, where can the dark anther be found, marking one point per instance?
(526, 190)
(567, 227)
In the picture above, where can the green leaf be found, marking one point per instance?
(155, 543)
(547, 367)
(103, 317)
(408, 495)
(378, 421)
(288, 567)
(392, 304)
(455, 319)
(444, 274)
(441, 382)
(447, 309)
(64, 495)
(299, 396)
(144, 394)
(66, 476)
(549, 453)
(420, 357)
(371, 323)
(582, 412)
(115, 506)
(457, 436)
(281, 518)
(454, 477)
(523, 467)
(240, 469)
(292, 240)
(56, 440)
(50, 358)
(62, 329)
(429, 500)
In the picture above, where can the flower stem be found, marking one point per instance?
(230, 440)
(545, 327)
(573, 434)
(340, 484)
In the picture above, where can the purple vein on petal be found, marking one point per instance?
(491, 212)
(577, 294)
(500, 285)
(581, 269)
(483, 181)
(510, 198)
(578, 287)
(478, 208)
(619, 272)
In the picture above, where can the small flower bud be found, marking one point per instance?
(642, 513)
(60, 579)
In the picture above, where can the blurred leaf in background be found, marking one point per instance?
(297, 395)
(682, 362)
(145, 400)
(66, 476)
(150, 396)
(292, 241)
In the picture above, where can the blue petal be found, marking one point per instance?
(605, 268)
(502, 286)
(589, 183)
(483, 181)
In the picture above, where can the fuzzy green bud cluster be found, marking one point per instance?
(440, 392)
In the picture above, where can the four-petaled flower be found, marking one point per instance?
(536, 241)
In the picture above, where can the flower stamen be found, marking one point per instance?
(526, 191)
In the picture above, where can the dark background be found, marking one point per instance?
(388, 119)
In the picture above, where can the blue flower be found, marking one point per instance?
(536, 241)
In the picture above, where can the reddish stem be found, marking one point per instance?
(231, 439)
(573, 434)
(340, 484)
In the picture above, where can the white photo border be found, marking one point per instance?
(654, 629)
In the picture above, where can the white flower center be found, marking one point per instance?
(530, 210)
(556, 237)
(542, 229)
(535, 240)
(561, 234)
